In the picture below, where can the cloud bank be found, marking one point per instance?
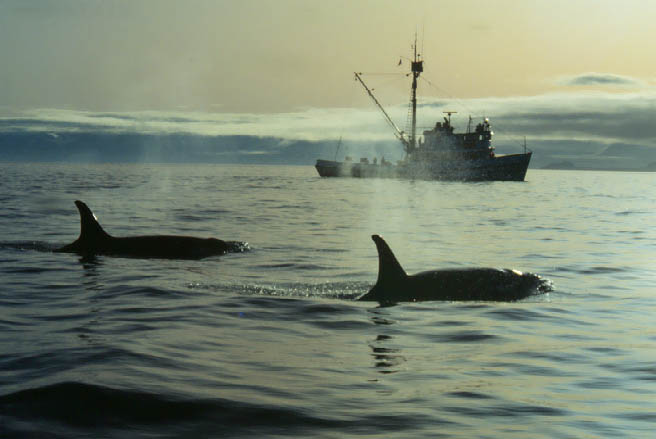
(591, 129)
(602, 79)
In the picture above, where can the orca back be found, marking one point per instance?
(477, 284)
(93, 240)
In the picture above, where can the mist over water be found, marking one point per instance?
(271, 342)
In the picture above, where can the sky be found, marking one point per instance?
(285, 67)
(282, 55)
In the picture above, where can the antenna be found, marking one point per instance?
(449, 113)
(423, 33)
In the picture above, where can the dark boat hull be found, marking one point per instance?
(329, 168)
(510, 167)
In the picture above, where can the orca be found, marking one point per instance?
(466, 284)
(93, 240)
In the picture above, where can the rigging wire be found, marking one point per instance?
(423, 34)
(382, 74)
(341, 144)
(388, 82)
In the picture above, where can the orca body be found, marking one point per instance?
(474, 284)
(93, 240)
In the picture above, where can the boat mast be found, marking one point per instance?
(338, 145)
(417, 68)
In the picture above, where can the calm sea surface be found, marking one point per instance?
(271, 343)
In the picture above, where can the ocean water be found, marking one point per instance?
(270, 342)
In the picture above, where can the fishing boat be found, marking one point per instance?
(439, 153)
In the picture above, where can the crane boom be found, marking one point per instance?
(398, 133)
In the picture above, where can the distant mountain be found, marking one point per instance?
(645, 154)
(120, 147)
(560, 165)
(591, 155)
(103, 147)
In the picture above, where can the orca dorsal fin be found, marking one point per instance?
(90, 229)
(390, 271)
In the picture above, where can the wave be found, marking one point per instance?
(82, 405)
(88, 404)
(238, 246)
(28, 245)
(328, 290)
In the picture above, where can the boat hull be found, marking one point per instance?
(329, 168)
(511, 167)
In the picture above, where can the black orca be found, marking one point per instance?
(476, 284)
(93, 240)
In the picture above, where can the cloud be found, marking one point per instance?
(598, 116)
(601, 79)
(308, 124)
(576, 125)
